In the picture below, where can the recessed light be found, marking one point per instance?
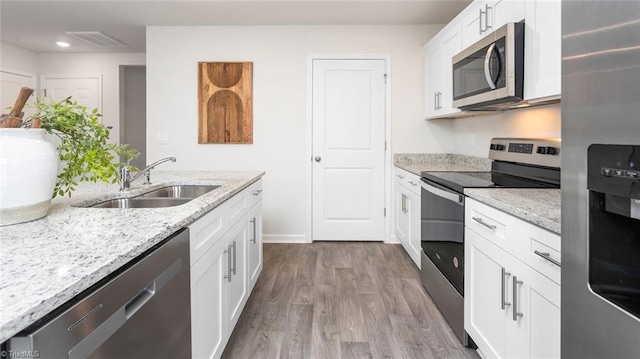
(62, 44)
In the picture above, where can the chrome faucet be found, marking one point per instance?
(125, 174)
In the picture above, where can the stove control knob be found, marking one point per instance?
(499, 147)
(541, 150)
(492, 147)
(552, 150)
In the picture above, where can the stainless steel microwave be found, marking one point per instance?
(489, 74)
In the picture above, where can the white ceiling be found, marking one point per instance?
(37, 25)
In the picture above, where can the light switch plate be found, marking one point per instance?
(162, 138)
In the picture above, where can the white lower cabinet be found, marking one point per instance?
(407, 213)
(255, 244)
(538, 299)
(222, 278)
(238, 279)
(512, 297)
(208, 303)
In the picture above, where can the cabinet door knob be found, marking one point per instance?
(318, 158)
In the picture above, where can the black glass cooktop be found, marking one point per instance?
(458, 181)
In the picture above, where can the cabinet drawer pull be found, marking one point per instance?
(400, 176)
(516, 315)
(404, 203)
(504, 303)
(479, 220)
(547, 256)
(413, 183)
(235, 254)
(486, 18)
(228, 252)
(254, 230)
(256, 192)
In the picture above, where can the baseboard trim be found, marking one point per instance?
(284, 238)
(393, 239)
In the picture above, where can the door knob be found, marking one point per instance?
(318, 159)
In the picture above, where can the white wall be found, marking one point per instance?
(17, 58)
(280, 56)
(108, 65)
(472, 136)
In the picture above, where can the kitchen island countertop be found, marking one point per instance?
(49, 261)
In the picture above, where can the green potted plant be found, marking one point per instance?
(30, 163)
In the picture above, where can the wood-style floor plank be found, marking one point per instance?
(297, 337)
(341, 300)
(350, 320)
(355, 350)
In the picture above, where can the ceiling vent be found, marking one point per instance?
(96, 39)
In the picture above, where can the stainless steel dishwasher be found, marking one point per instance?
(142, 312)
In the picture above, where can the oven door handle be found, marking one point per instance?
(451, 196)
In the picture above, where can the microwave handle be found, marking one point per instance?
(487, 70)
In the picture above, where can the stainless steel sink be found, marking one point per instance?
(181, 191)
(140, 202)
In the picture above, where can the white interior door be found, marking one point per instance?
(10, 84)
(84, 89)
(348, 115)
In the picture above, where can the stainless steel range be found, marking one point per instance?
(517, 163)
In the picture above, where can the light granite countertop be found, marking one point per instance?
(538, 206)
(436, 162)
(49, 261)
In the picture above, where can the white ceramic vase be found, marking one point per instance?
(28, 171)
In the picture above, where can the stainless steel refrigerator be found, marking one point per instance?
(600, 184)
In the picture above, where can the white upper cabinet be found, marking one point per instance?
(542, 51)
(451, 46)
(474, 22)
(439, 82)
(501, 12)
(433, 78)
(483, 17)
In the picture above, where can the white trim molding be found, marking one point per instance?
(284, 238)
(393, 239)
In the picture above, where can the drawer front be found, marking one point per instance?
(255, 192)
(540, 249)
(206, 232)
(238, 205)
(409, 180)
(490, 223)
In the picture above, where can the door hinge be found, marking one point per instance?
(45, 92)
(385, 78)
(385, 211)
(385, 145)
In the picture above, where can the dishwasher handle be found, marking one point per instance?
(139, 300)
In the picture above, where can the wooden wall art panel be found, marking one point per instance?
(225, 102)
